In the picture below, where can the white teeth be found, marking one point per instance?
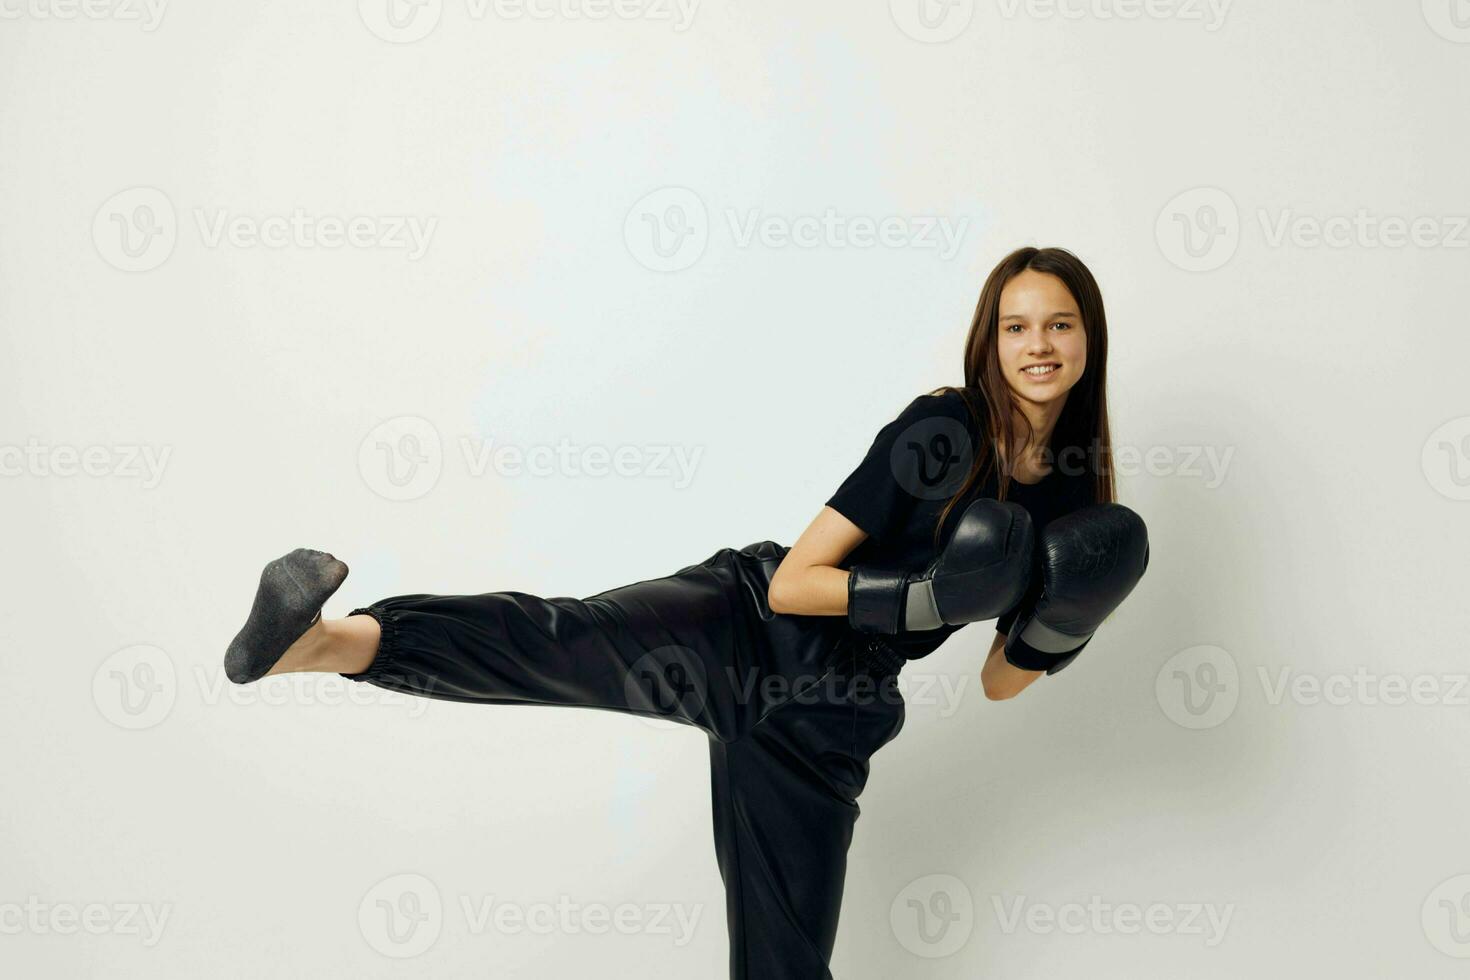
(1040, 369)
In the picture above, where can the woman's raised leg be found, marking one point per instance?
(691, 647)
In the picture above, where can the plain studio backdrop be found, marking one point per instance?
(553, 297)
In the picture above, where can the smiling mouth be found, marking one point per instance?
(1041, 370)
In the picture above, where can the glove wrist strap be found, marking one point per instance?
(875, 599)
(1032, 645)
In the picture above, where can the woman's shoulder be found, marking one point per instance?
(957, 403)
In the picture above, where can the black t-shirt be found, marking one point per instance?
(916, 464)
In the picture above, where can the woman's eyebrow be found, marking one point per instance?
(1049, 316)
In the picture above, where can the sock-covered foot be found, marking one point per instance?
(292, 591)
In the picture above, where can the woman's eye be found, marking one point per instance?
(1063, 324)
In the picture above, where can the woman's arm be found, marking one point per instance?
(808, 581)
(1000, 678)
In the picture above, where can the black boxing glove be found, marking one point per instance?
(1090, 560)
(982, 571)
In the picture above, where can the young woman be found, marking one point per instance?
(990, 500)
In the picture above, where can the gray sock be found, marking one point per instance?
(292, 591)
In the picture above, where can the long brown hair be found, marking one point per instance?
(1082, 427)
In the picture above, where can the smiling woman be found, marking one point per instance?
(788, 658)
(1028, 427)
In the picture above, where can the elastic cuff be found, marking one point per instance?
(387, 620)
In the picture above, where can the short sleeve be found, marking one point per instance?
(923, 454)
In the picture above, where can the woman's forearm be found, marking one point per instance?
(811, 590)
(1002, 679)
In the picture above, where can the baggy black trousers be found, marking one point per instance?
(794, 707)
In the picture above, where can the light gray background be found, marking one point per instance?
(1167, 768)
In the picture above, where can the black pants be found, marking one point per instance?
(794, 706)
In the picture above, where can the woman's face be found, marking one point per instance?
(1040, 338)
